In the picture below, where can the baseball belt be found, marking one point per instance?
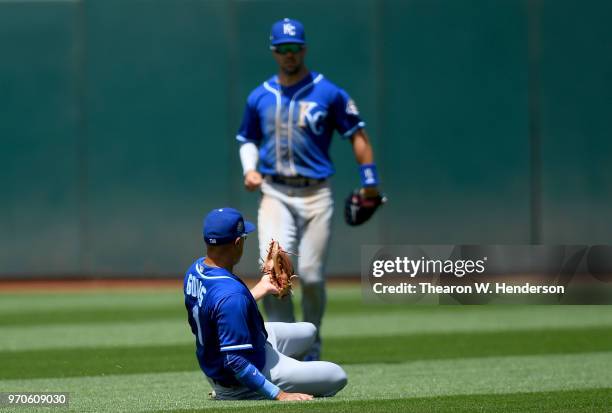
(294, 181)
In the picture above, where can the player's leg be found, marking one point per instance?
(319, 378)
(291, 339)
(275, 221)
(315, 230)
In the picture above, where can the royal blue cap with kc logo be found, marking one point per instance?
(287, 31)
(224, 225)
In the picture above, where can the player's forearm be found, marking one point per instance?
(257, 292)
(249, 156)
(362, 148)
(365, 158)
(249, 376)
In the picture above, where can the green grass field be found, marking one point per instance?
(127, 350)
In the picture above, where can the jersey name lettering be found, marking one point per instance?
(195, 289)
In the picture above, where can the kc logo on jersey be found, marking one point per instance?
(311, 118)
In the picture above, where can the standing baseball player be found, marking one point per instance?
(284, 139)
(241, 357)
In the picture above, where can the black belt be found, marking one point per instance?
(295, 181)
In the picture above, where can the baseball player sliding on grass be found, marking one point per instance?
(243, 357)
(285, 136)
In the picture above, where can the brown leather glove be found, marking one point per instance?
(278, 265)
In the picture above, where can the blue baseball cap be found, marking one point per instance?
(224, 225)
(287, 31)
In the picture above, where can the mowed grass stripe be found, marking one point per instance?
(17, 302)
(161, 327)
(122, 313)
(576, 401)
(348, 299)
(45, 310)
(89, 316)
(165, 332)
(366, 349)
(342, 299)
(342, 311)
(464, 319)
(118, 334)
(433, 378)
(344, 303)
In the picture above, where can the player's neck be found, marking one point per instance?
(286, 80)
(219, 262)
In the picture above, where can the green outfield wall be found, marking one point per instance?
(491, 122)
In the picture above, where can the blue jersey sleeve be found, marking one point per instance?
(346, 115)
(250, 129)
(232, 323)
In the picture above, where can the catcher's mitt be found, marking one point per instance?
(358, 209)
(278, 265)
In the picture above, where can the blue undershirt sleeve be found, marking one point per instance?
(249, 376)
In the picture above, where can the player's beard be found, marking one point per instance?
(291, 65)
(291, 70)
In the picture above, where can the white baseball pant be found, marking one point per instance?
(286, 341)
(299, 219)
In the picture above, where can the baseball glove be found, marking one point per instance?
(358, 208)
(279, 267)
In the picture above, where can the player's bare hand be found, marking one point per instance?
(252, 180)
(369, 192)
(264, 287)
(267, 285)
(284, 396)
